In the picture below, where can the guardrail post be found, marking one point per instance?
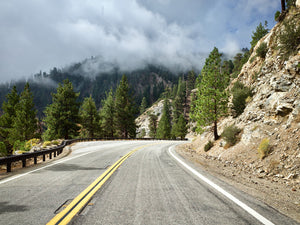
(44, 157)
(35, 160)
(54, 153)
(8, 167)
(50, 155)
(23, 162)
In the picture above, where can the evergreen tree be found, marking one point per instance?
(143, 106)
(227, 67)
(179, 101)
(125, 110)
(152, 125)
(191, 81)
(211, 99)
(179, 128)
(3, 151)
(164, 125)
(89, 117)
(25, 122)
(181, 91)
(260, 32)
(7, 119)
(107, 114)
(62, 116)
(174, 91)
(239, 60)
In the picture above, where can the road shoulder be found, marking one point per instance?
(274, 194)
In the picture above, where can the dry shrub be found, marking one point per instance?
(208, 146)
(264, 148)
(230, 135)
(46, 143)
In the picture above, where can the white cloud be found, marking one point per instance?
(38, 35)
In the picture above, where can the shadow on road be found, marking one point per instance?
(5, 207)
(73, 167)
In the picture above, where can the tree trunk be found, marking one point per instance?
(282, 6)
(216, 136)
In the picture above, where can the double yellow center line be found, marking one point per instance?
(65, 216)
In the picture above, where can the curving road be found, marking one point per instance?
(150, 187)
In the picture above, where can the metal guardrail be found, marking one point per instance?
(55, 151)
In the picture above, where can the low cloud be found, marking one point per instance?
(178, 34)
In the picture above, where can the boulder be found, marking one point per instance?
(283, 84)
(284, 109)
(298, 3)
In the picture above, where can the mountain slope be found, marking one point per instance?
(149, 81)
(273, 113)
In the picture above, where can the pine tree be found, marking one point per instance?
(152, 125)
(89, 117)
(179, 128)
(179, 100)
(260, 32)
(143, 106)
(3, 151)
(62, 115)
(164, 125)
(211, 98)
(191, 81)
(9, 114)
(107, 114)
(125, 110)
(25, 122)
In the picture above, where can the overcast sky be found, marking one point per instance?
(40, 34)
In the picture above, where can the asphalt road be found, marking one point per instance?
(150, 187)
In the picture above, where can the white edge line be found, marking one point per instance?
(222, 191)
(52, 164)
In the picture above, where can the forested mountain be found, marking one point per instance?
(149, 82)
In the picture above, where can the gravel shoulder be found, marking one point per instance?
(277, 194)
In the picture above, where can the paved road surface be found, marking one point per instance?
(150, 187)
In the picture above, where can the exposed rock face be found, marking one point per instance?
(143, 120)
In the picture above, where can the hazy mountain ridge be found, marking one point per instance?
(148, 81)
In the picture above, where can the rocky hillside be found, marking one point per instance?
(272, 113)
(142, 121)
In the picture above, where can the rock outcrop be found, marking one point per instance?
(142, 121)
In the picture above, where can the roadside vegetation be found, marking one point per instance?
(264, 148)
(65, 118)
(230, 135)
